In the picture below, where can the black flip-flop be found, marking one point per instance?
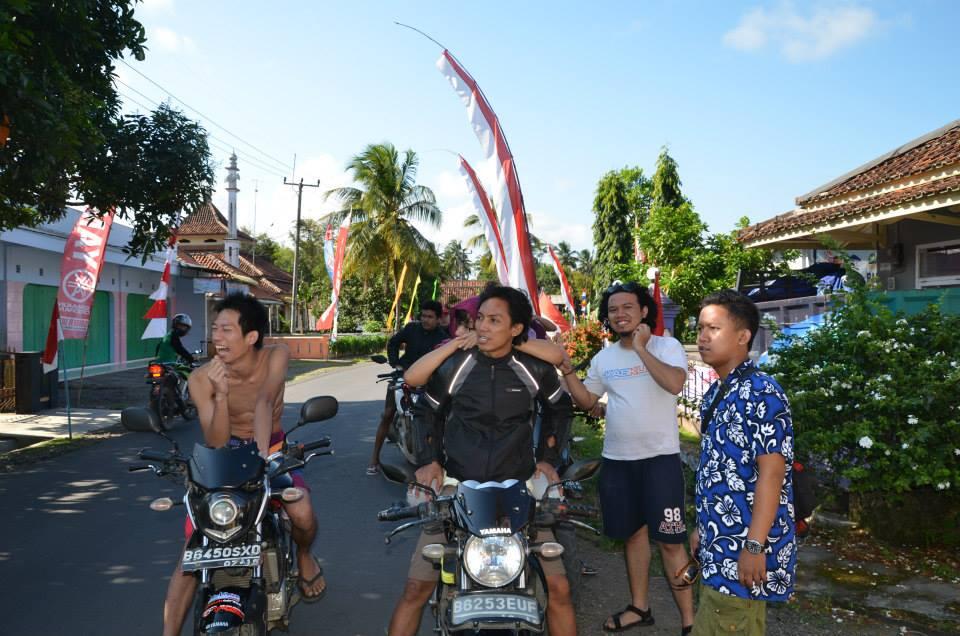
(304, 584)
(646, 619)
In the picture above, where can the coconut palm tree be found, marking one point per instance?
(566, 256)
(455, 261)
(383, 205)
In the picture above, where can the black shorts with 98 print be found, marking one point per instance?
(643, 492)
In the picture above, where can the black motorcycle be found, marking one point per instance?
(403, 429)
(241, 548)
(169, 394)
(491, 578)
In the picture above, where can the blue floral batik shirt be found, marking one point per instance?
(752, 419)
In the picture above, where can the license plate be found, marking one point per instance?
(234, 556)
(494, 607)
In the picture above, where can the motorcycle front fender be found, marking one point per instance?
(229, 608)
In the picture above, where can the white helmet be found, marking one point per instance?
(182, 320)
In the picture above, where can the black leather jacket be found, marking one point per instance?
(478, 413)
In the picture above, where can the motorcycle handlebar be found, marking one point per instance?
(155, 456)
(582, 510)
(320, 443)
(396, 514)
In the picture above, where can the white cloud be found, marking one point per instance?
(276, 203)
(803, 38)
(168, 40)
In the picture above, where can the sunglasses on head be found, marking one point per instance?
(623, 287)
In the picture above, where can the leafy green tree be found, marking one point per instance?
(67, 138)
(383, 208)
(666, 182)
(266, 247)
(620, 205)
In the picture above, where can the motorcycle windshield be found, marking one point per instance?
(493, 507)
(227, 467)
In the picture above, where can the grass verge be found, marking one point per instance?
(16, 459)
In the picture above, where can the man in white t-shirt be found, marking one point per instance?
(641, 482)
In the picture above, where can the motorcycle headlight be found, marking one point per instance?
(493, 561)
(223, 510)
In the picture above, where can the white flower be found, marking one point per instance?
(956, 451)
(902, 321)
(943, 485)
(839, 407)
(863, 334)
(912, 420)
(887, 452)
(953, 363)
(866, 442)
(905, 446)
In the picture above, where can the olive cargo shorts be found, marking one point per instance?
(724, 614)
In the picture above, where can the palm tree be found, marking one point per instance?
(455, 261)
(585, 262)
(566, 256)
(383, 207)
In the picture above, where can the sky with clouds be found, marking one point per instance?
(759, 102)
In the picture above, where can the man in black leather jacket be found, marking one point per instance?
(479, 409)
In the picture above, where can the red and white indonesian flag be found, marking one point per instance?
(508, 199)
(549, 310)
(79, 274)
(564, 285)
(326, 320)
(157, 314)
(488, 219)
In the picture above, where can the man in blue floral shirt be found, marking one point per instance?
(745, 538)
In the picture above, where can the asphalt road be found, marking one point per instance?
(81, 552)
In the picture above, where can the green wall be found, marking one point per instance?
(914, 300)
(137, 306)
(38, 301)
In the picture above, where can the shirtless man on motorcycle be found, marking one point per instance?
(239, 397)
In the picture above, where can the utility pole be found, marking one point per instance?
(296, 245)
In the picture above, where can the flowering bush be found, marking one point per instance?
(583, 341)
(875, 395)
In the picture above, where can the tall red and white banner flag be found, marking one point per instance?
(328, 318)
(549, 310)
(157, 314)
(79, 273)
(488, 219)
(508, 199)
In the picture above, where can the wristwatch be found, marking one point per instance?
(753, 547)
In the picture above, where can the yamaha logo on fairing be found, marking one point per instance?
(486, 532)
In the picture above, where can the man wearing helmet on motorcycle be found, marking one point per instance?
(171, 348)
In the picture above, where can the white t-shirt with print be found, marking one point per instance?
(641, 415)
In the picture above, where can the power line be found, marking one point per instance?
(265, 154)
(243, 154)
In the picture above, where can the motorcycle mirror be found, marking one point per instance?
(140, 420)
(379, 359)
(397, 474)
(317, 409)
(581, 470)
